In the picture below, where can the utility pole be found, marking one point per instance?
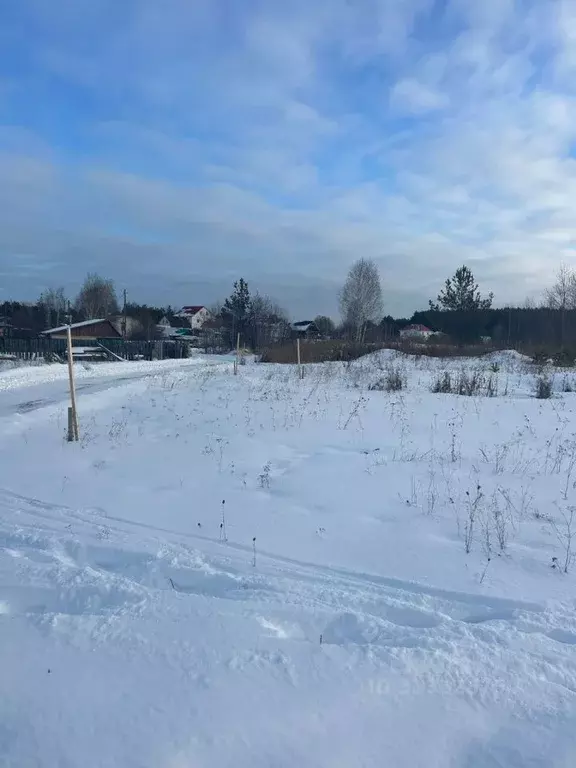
(73, 432)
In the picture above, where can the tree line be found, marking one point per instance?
(96, 299)
(460, 312)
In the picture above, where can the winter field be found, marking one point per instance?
(259, 571)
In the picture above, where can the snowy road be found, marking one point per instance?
(19, 392)
(319, 617)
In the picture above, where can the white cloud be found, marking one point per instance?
(413, 97)
(263, 143)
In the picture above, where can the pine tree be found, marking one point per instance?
(461, 293)
(236, 310)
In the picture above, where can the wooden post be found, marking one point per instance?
(124, 324)
(70, 425)
(237, 361)
(300, 371)
(74, 412)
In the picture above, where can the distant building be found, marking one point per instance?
(88, 330)
(128, 325)
(176, 327)
(305, 329)
(416, 331)
(195, 316)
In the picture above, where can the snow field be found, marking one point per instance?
(402, 609)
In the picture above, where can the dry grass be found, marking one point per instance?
(338, 350)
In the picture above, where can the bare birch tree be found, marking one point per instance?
(55, 304)
(361, 297)
(562, 295)
(97, 297)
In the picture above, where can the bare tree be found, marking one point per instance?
(55, 304)
(361, 296)
(97, 297)
(267, 322)
(562, 295)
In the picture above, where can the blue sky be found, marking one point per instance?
(178, 145)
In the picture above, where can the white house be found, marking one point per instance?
(195, 316)
(416, 331)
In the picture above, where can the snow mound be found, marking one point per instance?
(508, 356)
(383, 356)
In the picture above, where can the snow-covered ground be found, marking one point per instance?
(336, 618)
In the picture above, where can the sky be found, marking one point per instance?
(175, 146)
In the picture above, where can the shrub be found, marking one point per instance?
(543, 386)
(442, 384)
(466, 383)
(393, 381)
(563, 358)
(540, 357)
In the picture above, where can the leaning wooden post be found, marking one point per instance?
(73, 432)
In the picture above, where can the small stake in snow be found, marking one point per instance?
(300, 369)
(484, 571)
(254, 552)
(223, 536)
(171, 583)
(73, 432)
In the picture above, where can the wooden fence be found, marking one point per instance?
(54, 349)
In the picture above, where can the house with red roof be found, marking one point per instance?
(416, 331)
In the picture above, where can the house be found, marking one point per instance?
(416, 331)
(195, 316)
(174, 328)
(305, 329)
(88, 330)
(126, 326)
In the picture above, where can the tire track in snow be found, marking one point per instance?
(344, 607)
